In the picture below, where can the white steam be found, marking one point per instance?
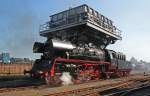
(66, 78)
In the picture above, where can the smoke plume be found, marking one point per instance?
(66, 78)
(139, 66)
(19, 27)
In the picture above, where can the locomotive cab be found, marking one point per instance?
(117, 59)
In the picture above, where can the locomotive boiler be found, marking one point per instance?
(77, 41)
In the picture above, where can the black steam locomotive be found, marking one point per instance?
(73, 59)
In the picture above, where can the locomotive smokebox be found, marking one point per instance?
(38, 47)
(52, 45)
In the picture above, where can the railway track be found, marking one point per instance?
(109, 90)
(86, 89)
(141, 91)
(138, 91)
(92, 91)
(19, 82)
(124, 91)
(24, 80)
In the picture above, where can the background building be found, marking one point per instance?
(5, 58)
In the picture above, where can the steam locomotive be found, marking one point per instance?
(76, 43)
(82, 62)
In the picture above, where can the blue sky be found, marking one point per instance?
(20, 20)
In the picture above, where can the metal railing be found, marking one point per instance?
(117, 32)
(48, 26)
(44, 27)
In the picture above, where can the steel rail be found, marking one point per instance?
(91, 91)
(95, 91)
(126, 92)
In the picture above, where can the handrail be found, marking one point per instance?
(44, 27)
